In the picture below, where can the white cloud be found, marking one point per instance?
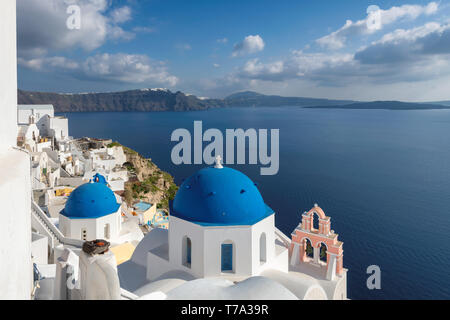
(254, 68)
(251, 44)
(144, 29)
(297, 65)
(121, 15)
(337, 39)
(411, 34)
(116, 32)
(41, 26)
(129, 68)
(48, 62)
(120, 67)
(417, 45)
(222, 40)
(42, 32)
(398, 59)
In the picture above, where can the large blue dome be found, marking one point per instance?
(219, 196)
(90, 201)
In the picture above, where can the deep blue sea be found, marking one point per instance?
(383, 177)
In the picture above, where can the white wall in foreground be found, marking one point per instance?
(15, 225)
(8, 75)
(15, 185)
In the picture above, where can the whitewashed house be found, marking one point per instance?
(28, 136)
(24, 112)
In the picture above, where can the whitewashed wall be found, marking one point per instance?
(39, 111)
(206, 246)
(95, 228)
(8, 75)
(15, 184)
(39, 248)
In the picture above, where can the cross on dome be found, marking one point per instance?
(218, 162)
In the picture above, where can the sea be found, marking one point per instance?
(383, 177)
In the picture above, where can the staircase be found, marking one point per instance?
(45, 226)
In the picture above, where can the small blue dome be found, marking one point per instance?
(219, 196)
(98, 178)
(90, 201)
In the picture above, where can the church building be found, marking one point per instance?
(223, 242)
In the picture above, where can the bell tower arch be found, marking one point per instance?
(318, 246)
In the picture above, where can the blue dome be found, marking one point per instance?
(99, 178)
(219, 196)
(90, 201)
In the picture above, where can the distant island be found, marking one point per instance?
(254, 99)
(158, 99)
(386, 105)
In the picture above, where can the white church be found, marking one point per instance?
(223, 244)
(220, 226)
(91, 212)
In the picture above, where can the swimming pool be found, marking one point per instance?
(142, 206)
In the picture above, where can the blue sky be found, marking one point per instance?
(214, 48)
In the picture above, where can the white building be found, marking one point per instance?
(109, 163)
(90, 213)
(37, 111)
(55, 127)
(93, 211)
(103, 159)
(28, 136)
(44, 118)
(16, 270)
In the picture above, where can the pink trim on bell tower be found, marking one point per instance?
(306, 235)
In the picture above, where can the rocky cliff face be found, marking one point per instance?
(148, 182)
(132, 100)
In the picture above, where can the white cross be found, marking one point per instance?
(218, 162)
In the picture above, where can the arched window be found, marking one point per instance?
(323, 252)
(309, 249)
(107, 231)
(315, 218)
(186, 251)
(227, 255)
(262, 248)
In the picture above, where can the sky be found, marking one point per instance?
(351, 49)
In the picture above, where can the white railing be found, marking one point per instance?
(40, 227)
(52, 230)
(285, 239)
(49, 228)
(126, 295)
